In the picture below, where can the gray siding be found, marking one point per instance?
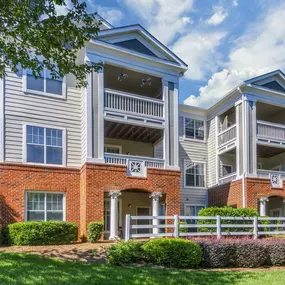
(23, 108)
(195, 151)
(212, 161)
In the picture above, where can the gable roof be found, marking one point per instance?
(266, 75)
(104, 35)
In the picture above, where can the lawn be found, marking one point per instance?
(31, 269)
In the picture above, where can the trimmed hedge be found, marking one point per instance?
(40, 233)
(173, 252)
(95, 230)
(125, 252)
(227, 212)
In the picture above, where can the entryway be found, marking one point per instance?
(143, 211)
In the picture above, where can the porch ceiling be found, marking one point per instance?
(116, 130)
(267, 151)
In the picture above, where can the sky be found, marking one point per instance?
(223, 42)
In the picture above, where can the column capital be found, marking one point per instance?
(155, 195)
(114, 194)
(264, 200)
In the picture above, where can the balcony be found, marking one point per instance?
(136, 165)
(271, 133)
(227, 138)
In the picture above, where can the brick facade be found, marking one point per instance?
(84, 189)
(230, 194)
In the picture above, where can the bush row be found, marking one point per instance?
(204, 252)
(47, 233)
(168, 252)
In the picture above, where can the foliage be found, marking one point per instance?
(95, 230)
(242, 252)
(33, 29)
(227, 212)
(182, 230)
(173, 252)
(125, 252)
(40, 233)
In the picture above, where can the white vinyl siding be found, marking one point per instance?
(23, 108)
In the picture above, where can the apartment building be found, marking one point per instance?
(233, 153)
(124, 145)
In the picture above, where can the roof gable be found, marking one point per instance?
(136, 38)
(274, 85)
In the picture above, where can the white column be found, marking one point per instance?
(238, 126)
(2, 119)
(245, 117)
(175, 128)
(155, 210)
(89, 117)
(166, 127)
(262, 206)
(254, 148)
(114, 214)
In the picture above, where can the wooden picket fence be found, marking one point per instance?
(169, 226)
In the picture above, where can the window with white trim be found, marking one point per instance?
(227, 169)
(45, 84)
(45, 206)
(194, 173)
(194, 129)
(44, 145)
(112, 149)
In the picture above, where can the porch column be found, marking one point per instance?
(114, 214)
(262, 206)
(155, 210)
(166, 146)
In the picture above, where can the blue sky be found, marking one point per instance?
(222, 41)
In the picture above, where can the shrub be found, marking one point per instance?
(275, 251)
(125, 252)
(40, 233)
(95, 230)
(182, 230)
(173, 252)
(227, 212)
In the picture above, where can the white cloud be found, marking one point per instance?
(163, 18)
(198, 50)
(259, 50)
(220, 14)
(187, 20)
(62, 9)
(235, 3)
(112, 15)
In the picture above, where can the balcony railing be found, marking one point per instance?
(265, 173)
(227, 135)
(136, 165)
(227, 178)
(270, 130)
(131, 103)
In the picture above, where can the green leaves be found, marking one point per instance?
(32, 28)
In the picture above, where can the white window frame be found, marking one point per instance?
(192, 205)
(195, 119)
(64, 150)
(231, 166)
(114, 146)
(45, 192)
(43, 93)
(184, 174)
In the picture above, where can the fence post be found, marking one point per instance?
(255, 227)
(128, 227)
(219, 227)
(176, 226)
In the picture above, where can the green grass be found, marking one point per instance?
(31, 269)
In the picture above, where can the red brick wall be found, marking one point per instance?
(229, 194)
(84, 189)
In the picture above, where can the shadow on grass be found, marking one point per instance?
(30, 269)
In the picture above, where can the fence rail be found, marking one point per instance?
(169, 226)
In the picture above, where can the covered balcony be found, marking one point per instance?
(270, 124)
(136, 147)
(227, 130)
(227, 169)
(132, 95)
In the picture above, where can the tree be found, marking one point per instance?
(33, 36)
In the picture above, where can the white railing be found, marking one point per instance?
(270, 130)
(265, 173)
(227, 135)
(217, 226)
(136, 165)
(131, 103)
(227, 178)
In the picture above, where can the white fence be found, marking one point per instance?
(168, 226)
(136, 104)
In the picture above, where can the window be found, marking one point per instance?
(44, 145)
(227, 169)
(194, 173)
(45, 84)
(112, 149)
(45, 206)
(194, 129)
(192, 210)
